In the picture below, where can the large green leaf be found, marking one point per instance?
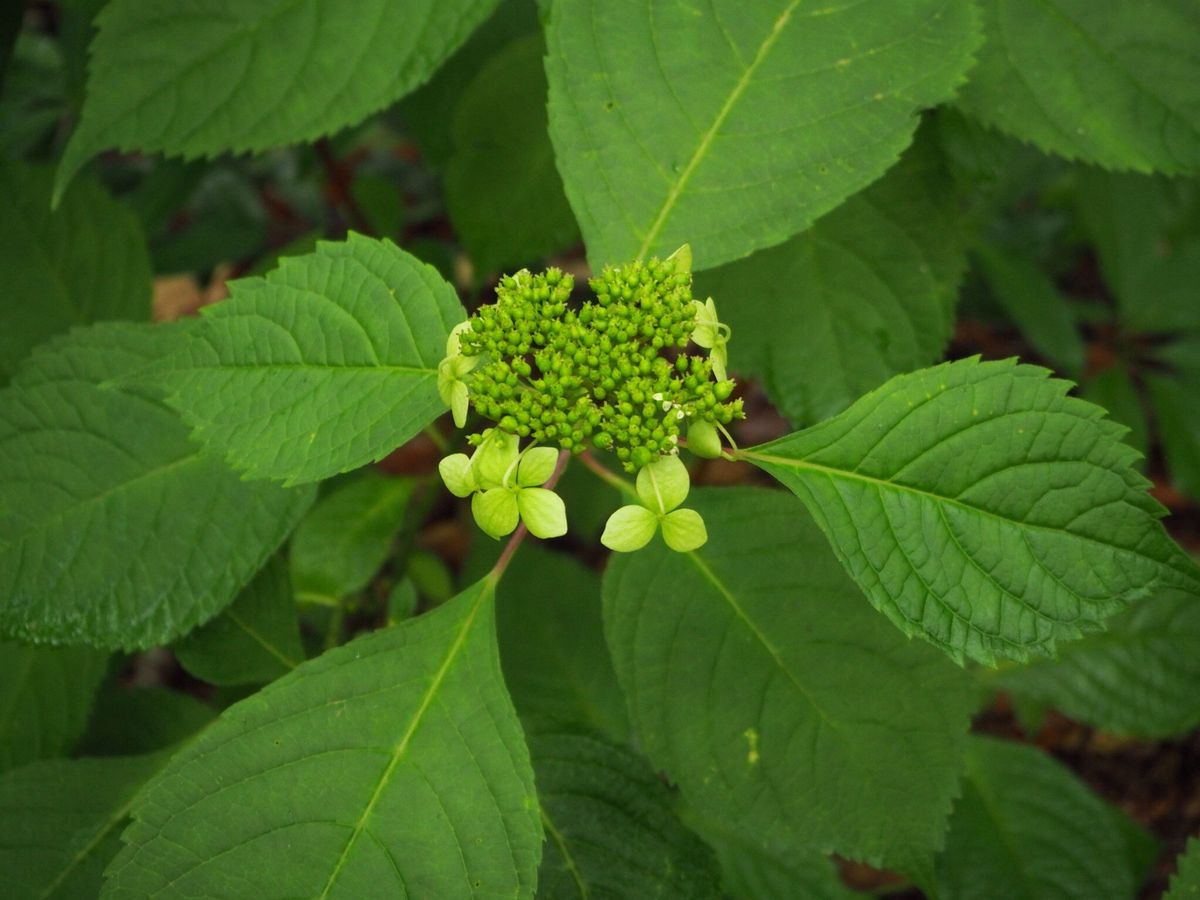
(424, 111)
(1177, 408)
(128, 721)
(1110, 83)
(979, 506)
(1146, 244)
(864, 294)
(86, 262)
(734, 125)
(46, 694)
(552, 642)
(391, 767)
(327, 363)
(762, 867)
(504, 195)
(1185, 883)
(1030, 298)
(610, 828)
(1140, 677)
(347, 535)
(254, 639)
(1027, 829)
(115, 529)
(1113, 388)
(201, 77)
(764, 685)
(60, 823)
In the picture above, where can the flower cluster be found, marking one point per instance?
(612, 373)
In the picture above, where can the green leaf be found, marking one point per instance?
(762, 683)
(1141, 848)
(980, 507)
(392, 766)
(1030, 298)
(552, 646)
(1027, 826)
(347, 536)
(207, 79)
(34, 98)
(1113, 389)
(1177, 410)
(107, 510)
(866, 293)
(503, 193)
(734, 127)
(1141, 677)
(84, 263)
(402, 601)
(253, 640)
(424, 111)
(1107, 83)
(60, 823)
(327, 363)
(1185, 883)
(610, 829)
(1146, 245)
(130, 721)
(752, 871)
(45, 697)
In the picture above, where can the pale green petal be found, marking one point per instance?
(684, 530)
(543, 512)
(629, 528)
(720, 359)
(496, 511)
(457, 476)
(495, 457)
(703, 439)
(536, 466)
(445, 380)
(683, 259)
(453, 345)
(458, 403)
(663, 484)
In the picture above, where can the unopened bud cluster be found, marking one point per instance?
(613, 373)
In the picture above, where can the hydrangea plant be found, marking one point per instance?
(623, 372)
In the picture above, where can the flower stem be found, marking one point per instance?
(439, 439)
(612, 478)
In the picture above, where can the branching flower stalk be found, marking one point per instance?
(629, 372)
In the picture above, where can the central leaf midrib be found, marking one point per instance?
(435, 685)
(880, 483)
(253, 634)
(111, 491)
(568, 858)
(711, 577)
(707, 138)
(106, 828)
(351, 367)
